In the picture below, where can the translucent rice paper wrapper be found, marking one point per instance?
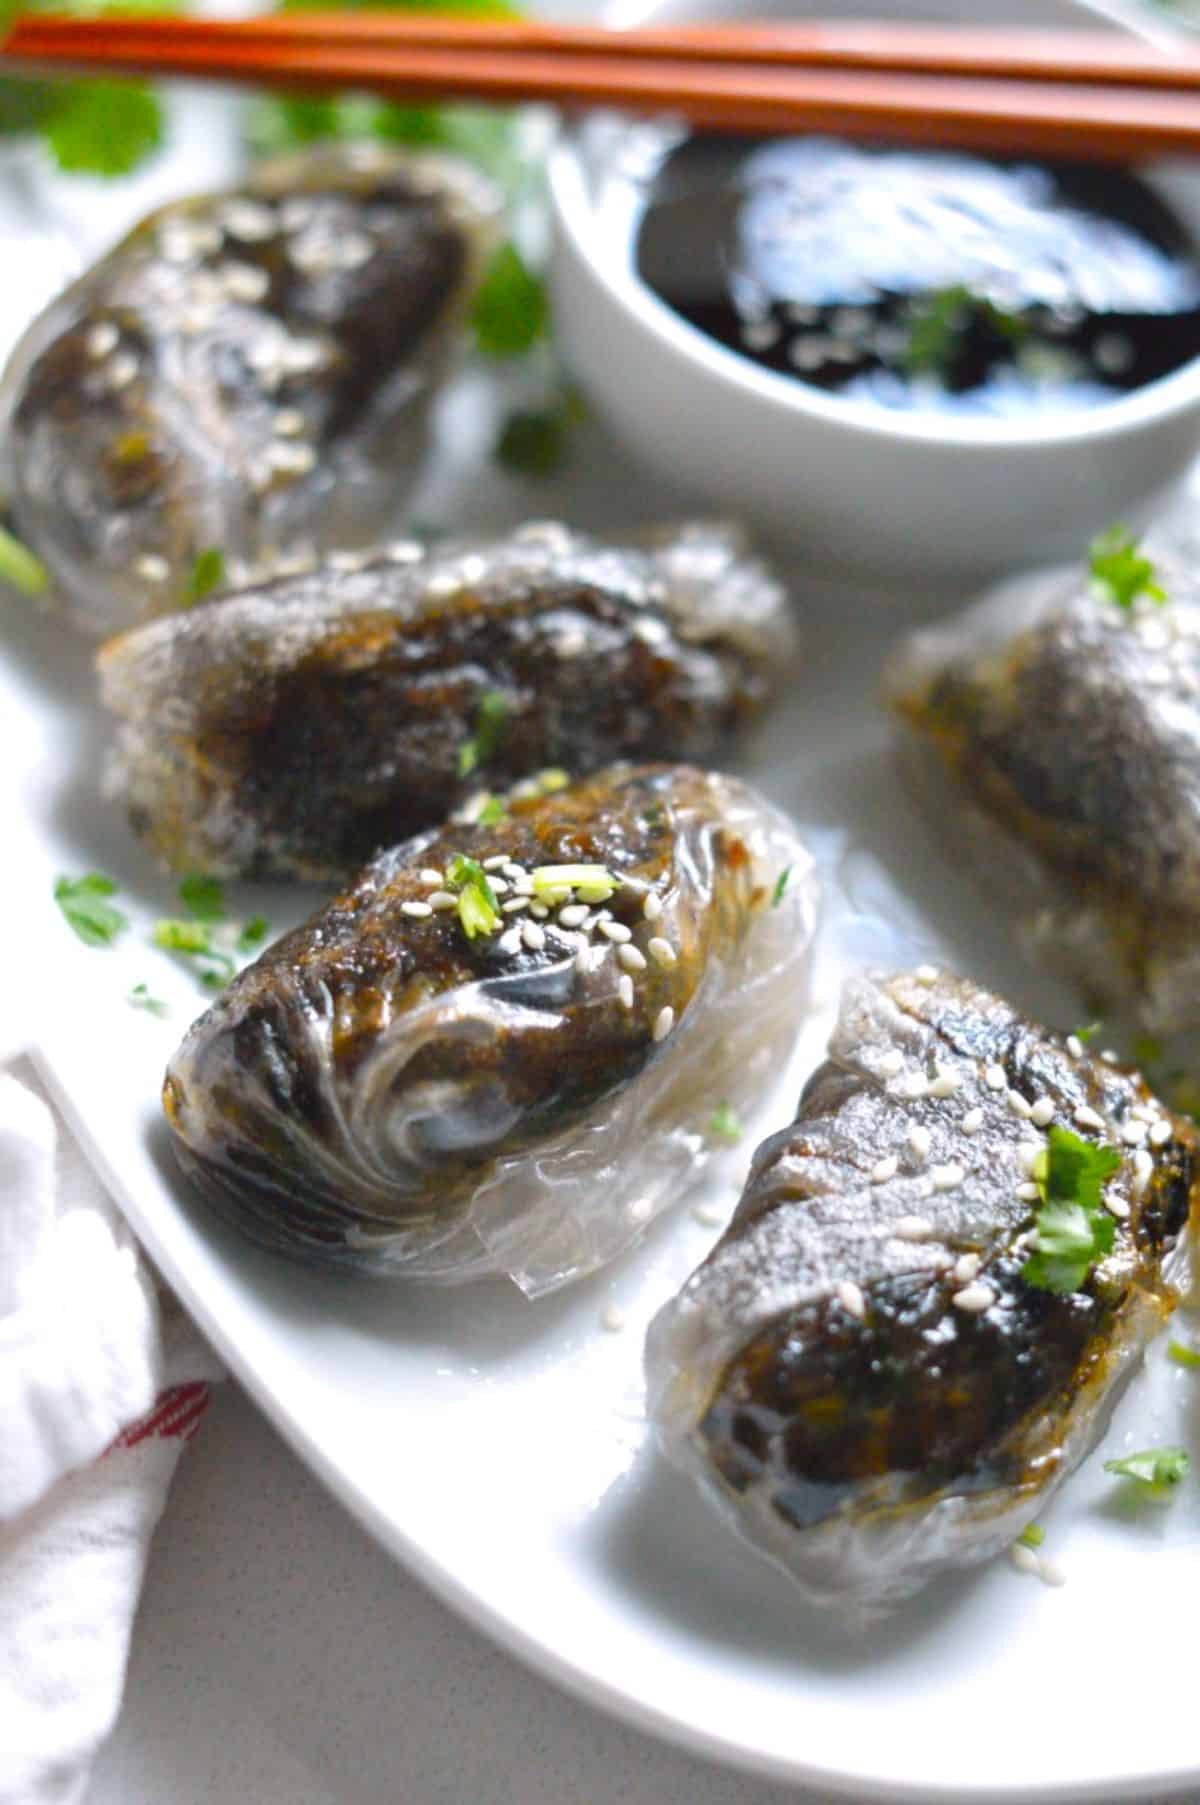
(832, 1326)
(426, 1153)
(1054, 739)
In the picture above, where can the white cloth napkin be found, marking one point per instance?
(102, 1382)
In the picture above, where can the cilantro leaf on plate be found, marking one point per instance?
(85, 905)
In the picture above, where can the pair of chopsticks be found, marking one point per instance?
(1079, 94)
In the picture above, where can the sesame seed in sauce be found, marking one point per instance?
(661, 951)
(533, 936)
(1086, 1117)
(912, 1228)
(497, 862)
(625, 990)
(101, 340)
(291, 457)
(652, 907)
(1028, 1155)
(245, 282)
(920, 1140)
(1042, 1113)
(514, 905)
(885, 1168)
(441, 900)
(926, 974)
(613, 1318)
(499, 885)
(760, 335)
(707, 1216)
(966, 1267)
(995, 1078)
(631, 958)
(916, 1086)
(509, 942)
(1116, 1206)
(945, 1082)
(1028, 1191)
(972, 1122)
(152, 567)
(1133, 1133)
(248, 221)
(1074, 1046)
(891, 1063)
(288, 423)
(615, 931)
(1143, 1169)
(433, 880)
(538, 910)
(974, 1298)
(850, 1296)
(1025, 1560)
(416, 909)
(664, 1023)
(573, 915)
(1109, 1057)
(1019, 1105)
(122, 370)
(1160, 1134)
(948, 1177)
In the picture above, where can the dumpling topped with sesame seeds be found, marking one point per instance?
(1057, 730)
(496, 1051)
(247, 373)
(299, 725)
(935, 1282)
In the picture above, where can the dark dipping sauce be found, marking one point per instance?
(923, 280)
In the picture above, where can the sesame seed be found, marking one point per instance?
(514, 905)
(664, 1023)
(245, 282)
(1042, 1112)
(631, 958)
(510, 942)
(152, 567)
(625, 991)
(615, 930)
(652, 907)
(1133, 1133)
(1160, 1134)
(972, 1122)
(661, 951)
(1116, 1206)
(533, 936)
(613, 1318)
(101, 339)
(760, 335)
(947, 1178)
(433, 880)
(916, 1085)
(995, 1078)
(1028, 1192)
(248, 220)
(1109, 1057)
(913, 1228)
(583, 958)
(1143, 1167)
(884, 1169)
(288, 423)
(919, 1139)
(891, 1063)
(122, 370)
(707, 1216)
(1028, 1154)
(354, 249)
(926, 974)
(945, 1082)
(850, 1296)
(1019, 1105)
(1025, 1560)
(442, 900)
(538, 909)
(1086, 1117)
(966, 1266)
(416, 909)
(291, 457)
(974, 1299)
(639, 1210)
(1049, 1572)
(1074, 1046)
(573, 915)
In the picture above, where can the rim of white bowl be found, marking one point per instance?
(1152, 404)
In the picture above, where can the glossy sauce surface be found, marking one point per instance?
(923, 280)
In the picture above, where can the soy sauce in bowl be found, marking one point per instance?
(923, 280)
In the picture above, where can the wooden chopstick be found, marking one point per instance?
(1001, 91)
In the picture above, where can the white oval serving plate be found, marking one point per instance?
(499, 1448)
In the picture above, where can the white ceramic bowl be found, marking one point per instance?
(908, 495)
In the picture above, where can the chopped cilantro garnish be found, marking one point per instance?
(208, 573)
(477, 907)
(104, 127)
(1119, 571)
(1073, 1229)
(253, 933)
(724, 1124)
(510, 311)
(84, 903)
(940, 324)
(535, 441)
(490, 719)
(204, 896)
(194, 939)
(20, 568)
(1159, 1470)
(140, 998)
(781, 884)
(1183, 1355)
(1088, 1032)
(1032, 1536)
(492, 813)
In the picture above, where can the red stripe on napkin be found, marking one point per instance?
(177, 1412)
